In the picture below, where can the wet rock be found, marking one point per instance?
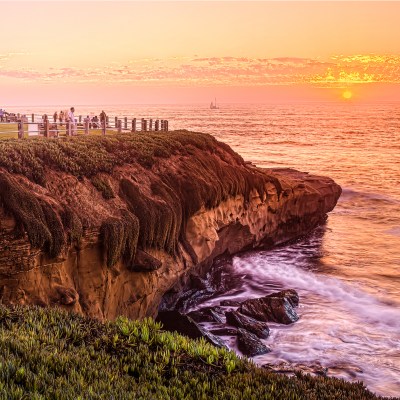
(207, 314)
(290, 369)
(229, 303)
(351, 370)
(250, 345)
(144, 262)
(275, 307)
(224, 331)
(290, 294)
(174, 321)
(235, 318)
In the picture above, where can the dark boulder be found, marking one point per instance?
(276, 307)
(226, 331)
(207, 314)
(290, 294)
(250, 345)
(229, 303)
(174, 321)
(235, 318)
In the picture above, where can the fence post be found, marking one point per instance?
(162, 125)
(108, 120)
(80, 119)
(119, 126)
(156, 125)
(33, 117)
(126, 123)
(69, 128)
(87, 127)
(134, 125)
(166, 125)
(46, 128)
(142, 125)
(103, 127)
(20, 130)
(116, 122)
(151, 125)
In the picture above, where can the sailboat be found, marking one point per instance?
(213, 106)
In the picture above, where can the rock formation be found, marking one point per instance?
(106, 226)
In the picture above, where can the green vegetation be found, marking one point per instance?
(103, 187)
(120, 237)
(185, 171)
(52, 354)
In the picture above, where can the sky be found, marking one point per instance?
(132, 52)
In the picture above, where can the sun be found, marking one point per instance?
(347, 95)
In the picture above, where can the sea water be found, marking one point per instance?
(347, 272)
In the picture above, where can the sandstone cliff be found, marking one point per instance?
(106, 226)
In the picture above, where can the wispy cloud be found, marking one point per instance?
(338, 70)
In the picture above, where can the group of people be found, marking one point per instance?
(68, 117)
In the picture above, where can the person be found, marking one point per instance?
(95, 121)
(87, 120)
(71, 121)
(103, 118)
(55, 116)
(61, 117)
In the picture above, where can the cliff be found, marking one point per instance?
(105, 226)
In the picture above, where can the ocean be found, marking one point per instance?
(347, 272)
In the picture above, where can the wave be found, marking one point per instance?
(347, 296)
(351, 194)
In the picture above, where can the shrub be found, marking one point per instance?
(50, 354)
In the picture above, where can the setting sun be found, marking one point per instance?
(347, 95)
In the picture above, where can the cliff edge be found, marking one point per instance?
(105, 226)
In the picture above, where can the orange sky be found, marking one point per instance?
(176, 52)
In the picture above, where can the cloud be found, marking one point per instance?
(338, 70)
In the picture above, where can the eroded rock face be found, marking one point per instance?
(29, 276)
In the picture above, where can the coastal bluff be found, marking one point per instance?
(105, 226)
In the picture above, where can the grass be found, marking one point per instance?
(52, 354)
(184, 171)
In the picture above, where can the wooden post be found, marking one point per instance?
(156, 125)
(162, 125)
(108, 121)
(134, 125)
(69, 128)
(20, 130)
(126, 123)
(142, 125)
(116, 122)
(46, 128)
(119, 126)
(166, 125)
(151, 125)
(33, 117)
(87, 126)
(103, 127)
(80, 119)
(145, 125)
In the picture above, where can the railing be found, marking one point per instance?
(36, 125)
